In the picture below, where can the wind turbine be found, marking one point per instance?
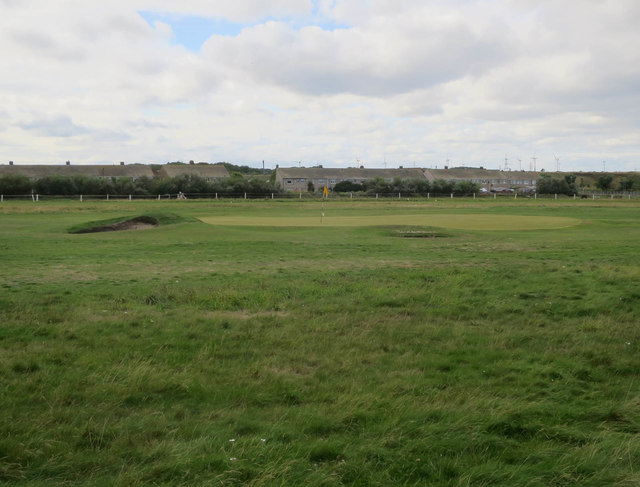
(557, 163)
(520, 164)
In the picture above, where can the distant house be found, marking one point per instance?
(486, 178)
(131, 171)
(37, 171)
(207, 171)
(298, 178)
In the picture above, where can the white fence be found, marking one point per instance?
(315, 196)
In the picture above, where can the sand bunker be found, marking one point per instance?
(138, 223)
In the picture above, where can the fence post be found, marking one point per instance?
(245, 196)
(80, 197)
(398, 195)
(451, 195)
(474, 196)
(1, 198)
(574, 196)
(158, 197)
(494, 196)
(612, 196)
(376, 195)
(428, 195)
(300, 196)
(535, 196)
(352, 195)
(555, 196)
(271, 195)
(129, 197)
(515, 196)
(37, 197)
(216, 195)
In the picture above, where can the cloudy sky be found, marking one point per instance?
(333, 82)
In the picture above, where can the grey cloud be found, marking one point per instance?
(47, 46)
(146, 124)
(109, 135)
(61, 126)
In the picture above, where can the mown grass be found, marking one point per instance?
(197, 354)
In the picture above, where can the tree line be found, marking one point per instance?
(237, 183)
(567, 185)
(12, 184)
(408, 186)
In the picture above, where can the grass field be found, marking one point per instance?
(448, 343)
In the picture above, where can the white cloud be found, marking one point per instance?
(377, 60)
(405, 80)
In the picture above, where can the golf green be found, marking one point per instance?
(446, 220)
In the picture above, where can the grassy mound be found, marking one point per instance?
(130, 223)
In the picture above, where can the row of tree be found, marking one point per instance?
(189, 184)
(567, 185)
(237, 183)
(408, 186)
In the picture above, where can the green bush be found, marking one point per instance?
(15, 184)
(348, 187)
(548, 185)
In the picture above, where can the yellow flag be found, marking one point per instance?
(326, 191)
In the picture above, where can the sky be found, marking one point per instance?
(342, 83)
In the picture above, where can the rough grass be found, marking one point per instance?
(198, 354)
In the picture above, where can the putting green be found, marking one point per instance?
(454, 221)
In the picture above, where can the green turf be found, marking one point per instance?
(418, 347)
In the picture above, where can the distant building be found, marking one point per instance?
(37, 171)
(131, 171)
(487, 178)
(298, 178)
(207, 171)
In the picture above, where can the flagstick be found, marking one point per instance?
(325, 194)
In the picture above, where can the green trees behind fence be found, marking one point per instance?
(74, 185)
(548, 185)
(410, 186)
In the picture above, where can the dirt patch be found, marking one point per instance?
(419, 234)
(245, 315)
(138, 223)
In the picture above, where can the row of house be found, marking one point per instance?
(299, 178)
(290, 179)
(131, 171)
